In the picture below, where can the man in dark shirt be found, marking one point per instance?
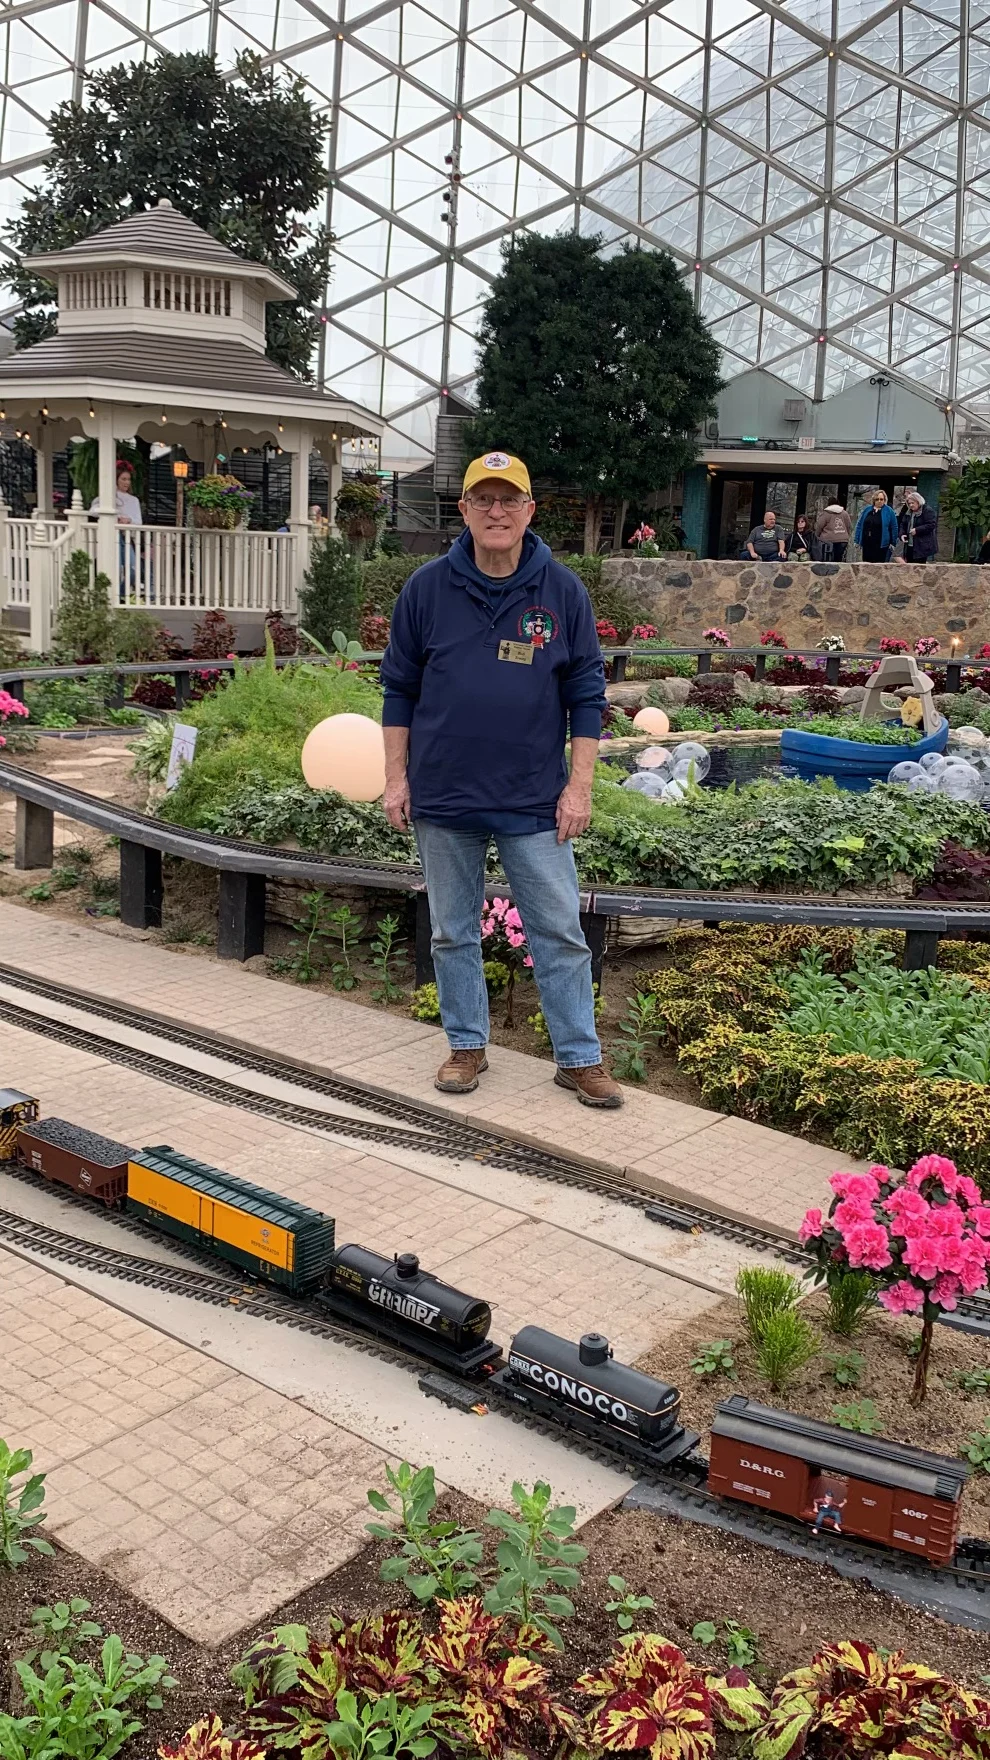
(493, 651)
(765, 543)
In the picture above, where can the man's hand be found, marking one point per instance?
(573, 811)
(397, 804)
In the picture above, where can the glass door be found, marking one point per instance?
(736, 519)
(782, 499)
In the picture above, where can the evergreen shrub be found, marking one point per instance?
(332, 596)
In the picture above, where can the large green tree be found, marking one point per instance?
(597, 370)
(244, 156)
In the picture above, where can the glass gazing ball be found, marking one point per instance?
(692, 748)
(655, 758)
(933, 762)
(648, 782)
(674, 791)
(969, 736)
(960, 782)
(905, 772)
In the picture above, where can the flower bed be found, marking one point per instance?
(728, 1005)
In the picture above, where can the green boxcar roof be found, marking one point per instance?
(227, 1188)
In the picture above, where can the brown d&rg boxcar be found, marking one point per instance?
(862, 1486)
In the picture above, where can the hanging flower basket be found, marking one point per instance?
(219, 503)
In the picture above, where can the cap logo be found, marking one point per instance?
(496, 461)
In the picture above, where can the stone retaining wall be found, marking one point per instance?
(859, 601)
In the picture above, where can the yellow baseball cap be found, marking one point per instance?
(498, 464)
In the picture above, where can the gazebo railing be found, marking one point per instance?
(167, 568)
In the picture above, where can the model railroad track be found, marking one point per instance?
(959, 1592)
(432, 1132)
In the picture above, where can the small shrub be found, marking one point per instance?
(847, 1367)
(214, 637)
(84, 623)
(332, 594)
(425, 1004)
(765, 1292)
(785, 1345)
(21, 1513)
(138, 636)
(81, 1709)
(714, 693)
(373, 632)
(382, 580)
(155, 693)
(860, 1415)
(850, 1297)
(284, 635)
(715, 1359)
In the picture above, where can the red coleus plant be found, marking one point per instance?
(852, 1701)
(652, 1697)
(206, 1741)
(500, 1694)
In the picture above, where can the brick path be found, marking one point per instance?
(744, 1169)
(205, 1494)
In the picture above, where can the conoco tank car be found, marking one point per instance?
(582, 1387)
(397, 1300)
(903, 1498)
(272, 1237)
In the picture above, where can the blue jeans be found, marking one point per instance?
(543, 879)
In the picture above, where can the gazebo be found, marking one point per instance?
(161, 336)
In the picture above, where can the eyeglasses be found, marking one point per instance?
(508, 503)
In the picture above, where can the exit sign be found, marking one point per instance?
(806, 442)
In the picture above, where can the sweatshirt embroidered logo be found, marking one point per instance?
(538, 625)
(497, 461)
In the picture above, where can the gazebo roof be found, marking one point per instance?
(178, 370)
(164, 236)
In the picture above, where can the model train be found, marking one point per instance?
(817, 1474)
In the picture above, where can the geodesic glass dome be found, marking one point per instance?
(820, 168)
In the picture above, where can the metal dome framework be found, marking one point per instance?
(820, 169)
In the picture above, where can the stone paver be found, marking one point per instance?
(746, 1170)
(208, 1496)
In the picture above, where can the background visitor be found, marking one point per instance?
(984, 555)
(799, 542)
(833, 529)
(918, 527)
(765, 543)
(876, 529)
(127, 505)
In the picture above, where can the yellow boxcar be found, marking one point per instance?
(272, 1236)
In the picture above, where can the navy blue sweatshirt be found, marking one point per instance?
(486, 736)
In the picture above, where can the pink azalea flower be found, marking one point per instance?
(946, 1290)
(902, 1298)
(868, 1247)
(856, 1185)
(528, 961)
(906, 1207)
(811, 1226)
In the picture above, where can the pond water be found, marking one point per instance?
(742, 763)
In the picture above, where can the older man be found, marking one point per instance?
(493, 650)
(765, 543)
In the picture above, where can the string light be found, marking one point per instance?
(164, 417)
(281, 428)
(44, 409)
(92, 410)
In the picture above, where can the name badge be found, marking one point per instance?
(519, 652)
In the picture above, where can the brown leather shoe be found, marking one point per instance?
(459, 1073)
(593, 1086)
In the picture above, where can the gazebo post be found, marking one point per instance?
(106, 532)
(299, 523)
(43, 471)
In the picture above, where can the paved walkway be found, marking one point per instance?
(204, 1493)
(743, 1169)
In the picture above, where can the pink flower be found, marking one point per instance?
(850, 1213)
(980, 1218)
(528, 961)
(946, 1290)
(811, 1226)
(968, 1190)
(906, 1207)
(934, 1167)
(856, 1185)
(922, 1255)
(902, 1298)
(868, 1247)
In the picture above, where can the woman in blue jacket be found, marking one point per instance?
(876, 530)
